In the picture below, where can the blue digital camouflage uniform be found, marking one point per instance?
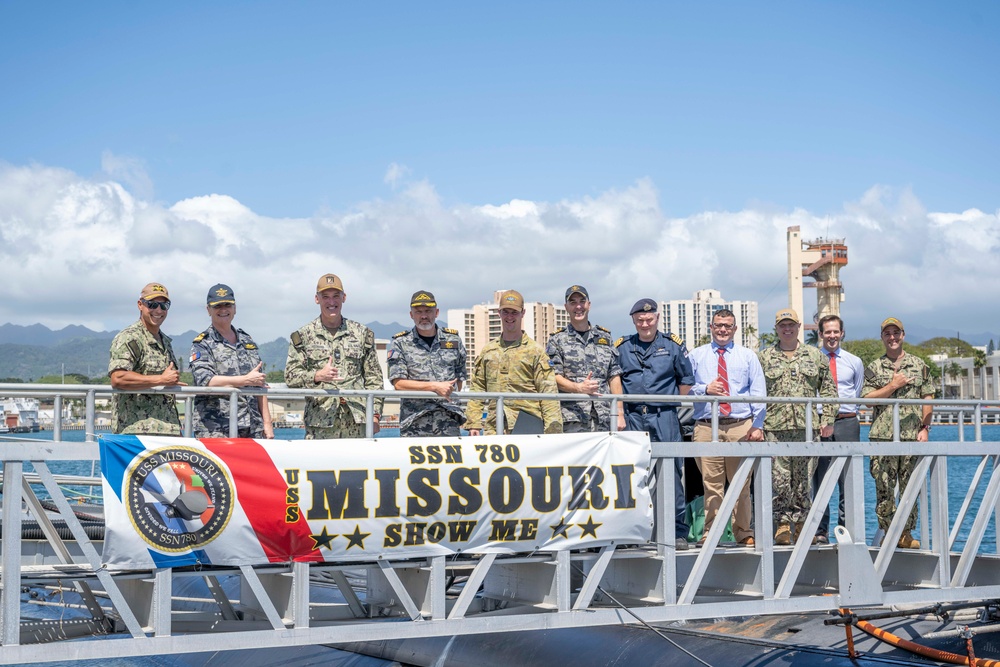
(411, 358)
(574, 355)
(212, 355)
(888, 471)
(352, 347)
(522, 367)
(659, 368)
(805, 373)
(136, 349)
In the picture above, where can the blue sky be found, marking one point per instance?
(323, 112)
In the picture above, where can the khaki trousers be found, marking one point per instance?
(716, 471)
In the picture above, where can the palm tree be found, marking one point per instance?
(768, 339)
(979, 363)
(750, 336)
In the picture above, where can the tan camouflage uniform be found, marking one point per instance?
(410, 358)
(805, 374)
(574, 355)
(890, 470)
(135, 349)
(212, 355)
(520, 366)
(352, 347)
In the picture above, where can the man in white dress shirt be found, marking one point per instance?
(849, 374)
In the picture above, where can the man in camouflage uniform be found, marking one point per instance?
(793, 370)
(141, 358)
(897, 374)
(333, 352)
(428, 358)
(512, 363)
(585, 362)
(225, 356)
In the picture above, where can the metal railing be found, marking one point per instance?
(274, 606)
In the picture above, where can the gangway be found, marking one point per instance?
(385, 598)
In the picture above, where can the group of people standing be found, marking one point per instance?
(333, 352)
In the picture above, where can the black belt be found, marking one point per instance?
(649, 409)
(725, 420)
(847, 415)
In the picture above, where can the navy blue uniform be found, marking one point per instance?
(659, 368)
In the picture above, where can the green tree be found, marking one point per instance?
(768, 339)
(275, 377)
(703, 339)
(990, 349)
(953, 347)
(750, 336)
(812, 337)
(979, 363)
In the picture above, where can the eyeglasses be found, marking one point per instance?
(153, 305)
(724, 327)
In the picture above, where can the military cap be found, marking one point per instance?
(787, 314)
(220, 294)
(423, 298)
(643, 306)
(577, 289)
(890, 322)
(153, 290)
(329, 281)
(511, 299)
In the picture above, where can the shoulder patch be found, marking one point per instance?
(869, 373)
(250, 346)
(601, 340)
(677, 339)
(604, 329)
(559, 330)
(200, 337)
(449, 345)
(401, 333)
(619, 341)
(450, 331)
(296, 338)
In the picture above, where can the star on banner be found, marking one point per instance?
(323, 540)
(590, 527)
(559, 530)
(356, 539)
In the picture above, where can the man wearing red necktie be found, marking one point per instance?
(723, 368)
(848, 373)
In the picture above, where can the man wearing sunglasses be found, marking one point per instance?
(142, 358)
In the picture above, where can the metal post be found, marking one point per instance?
(234, 414)
(188, 416)
(10, 598)
(57, 418)
(90, 419)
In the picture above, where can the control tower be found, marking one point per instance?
(819, 260)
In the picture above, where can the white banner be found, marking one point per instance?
(176, 501)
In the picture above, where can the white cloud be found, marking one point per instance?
(395, 174)
(65, 235)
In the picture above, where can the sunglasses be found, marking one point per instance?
(153, 305)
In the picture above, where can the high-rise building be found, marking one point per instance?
(481, 323)
(691, 319)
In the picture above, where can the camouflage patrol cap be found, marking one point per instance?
(424, 299)
(577, 289)
(787, 314)
(153, 290)
(329, 281)
(220, 294)
(891, 322)
(511, 299)
(646, 305)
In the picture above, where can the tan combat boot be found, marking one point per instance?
(784, 534)
(798, 530)
(906, 541)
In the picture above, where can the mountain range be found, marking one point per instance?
(30, 352)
